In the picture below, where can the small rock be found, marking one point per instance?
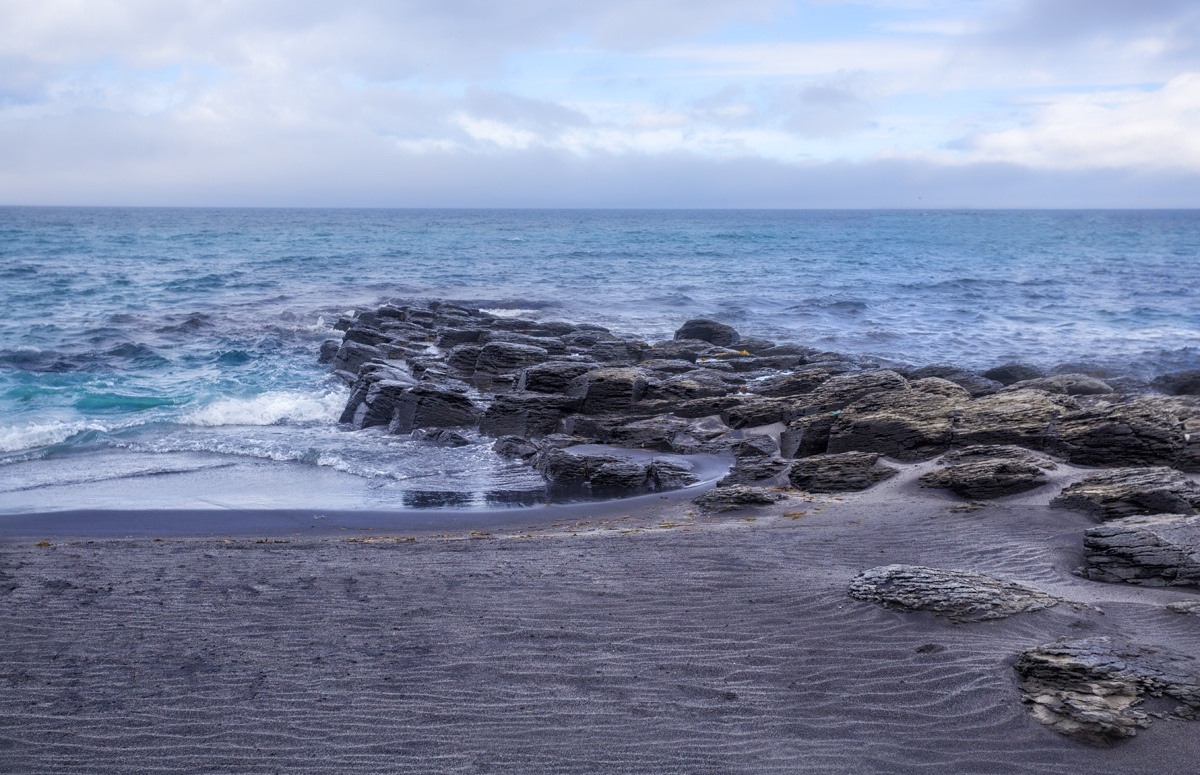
(1011, 373)
(959, 595)
(756, 470)
(441, 437)
(736, 497)
(515, 447)
(989, 471)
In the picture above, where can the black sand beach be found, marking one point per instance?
(661, 639)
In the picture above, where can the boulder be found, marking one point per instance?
(600, 474)
(515, 448)
(1134, 433)
(1010, 373)
(959, 595)
(429, 406)
(1066, 384)
(708, 331)
(697, 383)
(755, 411)
(807, 435)
(529, 415)
(352, 355)
(1020, 418)
(1089, 689)
(609, 390)
(843, 472)
(462, 358)
(1156, 551)
(657, 433)
(441, 437)
(1179, 383)
(908, 425)
(975, 384)
(1129, 491)
(982, 472)
(707, 407)
(756, 470)
(369, 375)
(508, 357)
(451, 337)
(737, 497)
(552, 376)
(795, 383)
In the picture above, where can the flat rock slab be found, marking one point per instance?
(959, 595)
(1090, 689)
(989, 471)
(1157, 551)
(736, 497)
(840, 472)
(1127, 492)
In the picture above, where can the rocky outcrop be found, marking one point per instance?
(1130, 491)
(907, 425)
(1021, 418)
(527, 414)
(1155, 551)
(958, 595)
(1179, 383)
(1066, 384)
(1090, 689)
(843, 472)
(609, 390)
(989, 471)
(428, 406)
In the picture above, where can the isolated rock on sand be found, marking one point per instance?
(736, 497)
(708, 331)
(1126, 492)
(767, 470)
(1191, 607)
(989, 471)
(1090, 689)
(1155, 551)
(1135, 433)
(841, 472)
(959, 595)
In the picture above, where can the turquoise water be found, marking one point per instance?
(156, 333)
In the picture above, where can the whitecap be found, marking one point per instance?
(43, 434)
(271, 408)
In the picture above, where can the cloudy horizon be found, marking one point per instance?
(757, 103)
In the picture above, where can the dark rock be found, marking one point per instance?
(605, 474)
(737, 497)
(708, 331)
(549, 344)
(989, 471)
(697, 383)
(759, 346)
(658, 433)
(936, 386)
(1013, 372)
(1020, 418)
(528, 415)
(667, 366)
(329, 350)
(507, 357)
(764, 363)
(1179, 383)
(352, 355)
(959, 595)
(429, 406)
(515, 447)
(552, 376)
(369, 375)
(975, 384)
(680, 350)
(839, 392)
(1066, 384)
(451, 337)
(756, 446)
(441, 437)
(609, 390)
(908, 425)
(462, 358)
(1158, 550)
(844, 472)
(755, 411)
(668, 475)
(1089, 689)
(808, 435)
(707, 407)
(1129, 491)
(1136, 433)
(757, 470)
(368, 336)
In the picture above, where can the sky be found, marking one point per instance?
(620, 103)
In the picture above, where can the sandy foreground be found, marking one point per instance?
(645, 638)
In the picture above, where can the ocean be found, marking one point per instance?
(166, 358)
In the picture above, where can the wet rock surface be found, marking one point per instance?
(956, 594)
(989, 471)
(1157, 550)
(1129, 491)
(1091, 689)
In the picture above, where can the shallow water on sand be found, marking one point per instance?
(187, 332)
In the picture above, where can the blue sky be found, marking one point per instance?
(534, 103)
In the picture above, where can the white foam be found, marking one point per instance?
(270, 408)
(510, 313)
(42, 434)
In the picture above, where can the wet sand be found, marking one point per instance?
(643, 637)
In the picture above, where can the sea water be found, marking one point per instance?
(152, 358)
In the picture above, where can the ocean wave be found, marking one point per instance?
(272, 408)
(37, 435)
